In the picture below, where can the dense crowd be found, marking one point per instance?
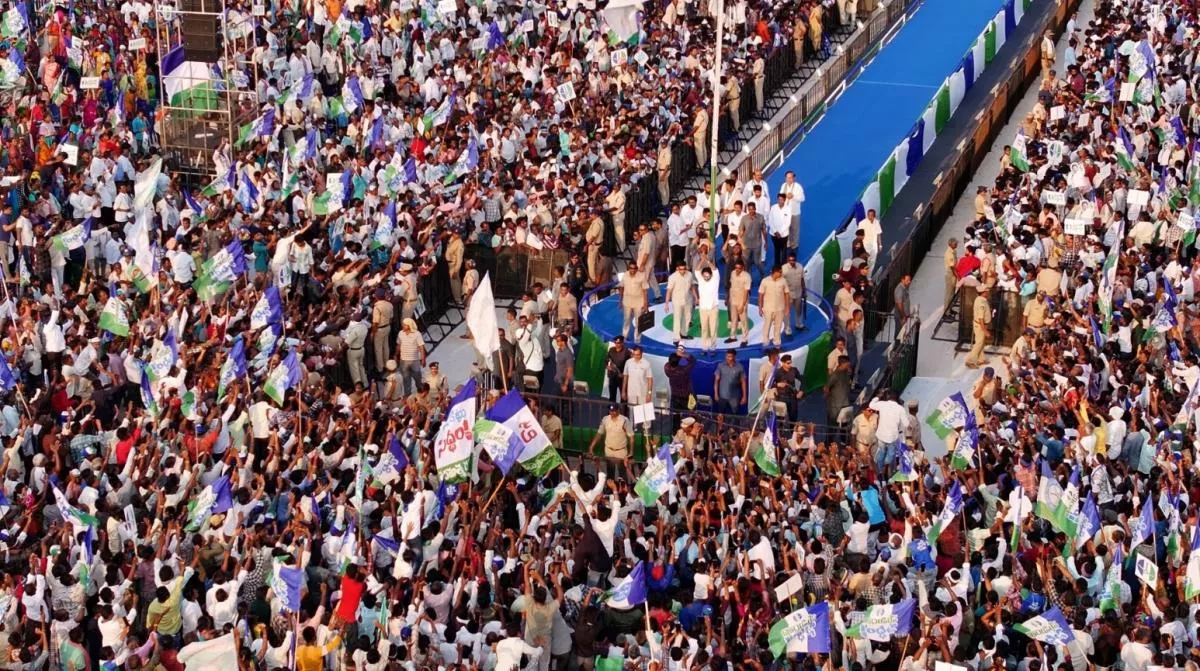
(226, 444)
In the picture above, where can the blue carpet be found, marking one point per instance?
(840, 157)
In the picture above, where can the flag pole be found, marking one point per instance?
(715, 122)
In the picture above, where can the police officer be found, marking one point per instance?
(982, 320)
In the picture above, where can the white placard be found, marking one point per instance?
(72, 152)
(566, 92)
(1075, 226)
(552, 19)
(642, 414)
(89, 83)
(943, 666)
(1127, 89)
(1055, 151)
(620, 57)
(527, 26)
(137, 44)
(641, 58)
(1058, 112)
(1055, 197)
(1139, 197)
(788, 588)
(1185, 221)
(258, 9)
(447, 6)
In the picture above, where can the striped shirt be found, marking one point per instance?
(411, 345)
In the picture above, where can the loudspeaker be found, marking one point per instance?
(200, 41)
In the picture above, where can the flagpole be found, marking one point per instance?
(715, 123)
(763, 401)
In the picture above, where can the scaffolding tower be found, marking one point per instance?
(215, 91)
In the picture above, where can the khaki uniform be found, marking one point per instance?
(773, 296)
(700, 137)
(382, 313)
(566, 308)
(615, 202)
(738, 298)
(593, 237)
(633, 302)
(618, 436)
(798, 305)
(1035, 314)
(733, 104)
(664, 175)
(863, 430)
(454, 259)
(408, 294)
(981, 319)
(679, 288)
(950, 262)
(470, 283)
(646, 257)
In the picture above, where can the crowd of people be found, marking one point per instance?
(226, 443)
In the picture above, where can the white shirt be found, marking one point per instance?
(52, 333)
(795, 196)
(510, 650)
(779, 220)
(183, 268)
(708, 290)
(873, 231)
(679, 232)
(260, 419)
(893, 420)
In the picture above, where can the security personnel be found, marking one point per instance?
(950, 262)
(982, 320)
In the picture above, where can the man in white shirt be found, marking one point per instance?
(707, 289)
(872, 233)
(183, 268)
(893, 421)
(779, 226)
(510, 650)
(679, 234)
(795, 198)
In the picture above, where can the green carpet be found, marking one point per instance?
(694, 332)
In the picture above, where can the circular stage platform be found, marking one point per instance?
(602, 321)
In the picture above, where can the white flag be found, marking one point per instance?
(481, 319)
(146, 185)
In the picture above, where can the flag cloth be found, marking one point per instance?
(455, 443)
(953, 507)
(214, 499)
(70, 513)
(632, 591)
(964, 450)
(163, 356)
(1191, 583)
(948, 416)
(263, 126)
(1050, 627)
(233, 368)
(7, 379)
(658, 476)
(803, 631)
(886, 621)
(1141, 528)
(149, 400)
(500, 442)
(113, 319)
(146, 185)
(1049, 494)
(391, 463)
(481, 319)
(537, 455)
(1124, 149)
(286, 584)
(218, 653)
(1018, 155)
(268, 309)
(221, 271)
(439, 115)
(906, 470)
(285, 376)
(1087, 524)
(765, 453)
(1064, 515)
(1110, 596)
(74, 237)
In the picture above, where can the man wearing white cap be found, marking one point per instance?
(1115, 432)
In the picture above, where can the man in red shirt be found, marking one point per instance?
(968, 264)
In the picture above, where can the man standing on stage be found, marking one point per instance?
(773, 301)
(681, 295)
(793, 274)
(737, 300)
(795, 198)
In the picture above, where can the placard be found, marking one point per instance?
(566, 92)
(552, 19)
(1146, 571)
(527, 26)
(620, 57)
(72, 152)
(1185, 221)
(642, 414)
(137, 44)
(943, 666)
(1139, 197)
(1055, 197)
(1055, 150)
(258, 9)
(447, 6)
(789, 587)
(1127, 90)
(1058, 112)
(1075, 226)
(89, 83)
(641, 58)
